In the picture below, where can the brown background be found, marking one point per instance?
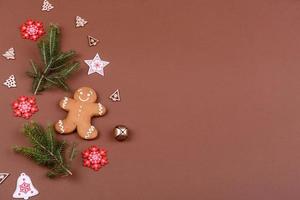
(210, 90)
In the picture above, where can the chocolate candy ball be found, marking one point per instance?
(121, 132)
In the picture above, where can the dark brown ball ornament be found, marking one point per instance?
(121, 132)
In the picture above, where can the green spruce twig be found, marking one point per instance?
(46, 150)
(57, 66)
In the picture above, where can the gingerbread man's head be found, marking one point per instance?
(85, 94)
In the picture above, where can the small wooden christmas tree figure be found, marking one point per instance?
(47, 6)
(24, 188)
(3, 176)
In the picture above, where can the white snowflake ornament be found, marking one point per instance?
(80, 22)
(96, 65)
(115, 96)
(47, 6)
(10, 82)
(24, 188)
(9, 54)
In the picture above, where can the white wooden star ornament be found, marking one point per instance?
(9, 54)
(3, 176)
(96, 65)
(47, 6)
(115, 96)
(80, 22)
(10, 82)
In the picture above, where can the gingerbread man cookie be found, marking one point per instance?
(80, 111)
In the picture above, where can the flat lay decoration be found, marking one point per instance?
(57, 66)
(24, 188)
(50, 70)
(9, 54)
(94, 158)
(46, 150)
(80, 111)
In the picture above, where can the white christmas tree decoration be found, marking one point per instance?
(3, 176)
(80, 22)
(24, 188)
(92, 41)
(115, 96)
(47, 6)
(11, 82)
(9, 54)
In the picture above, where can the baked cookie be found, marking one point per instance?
(80, 111)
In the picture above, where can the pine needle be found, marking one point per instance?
(73, 152)
(57, 66)
(46, 150)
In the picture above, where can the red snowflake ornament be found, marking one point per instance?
(25, 107)
(32, 30)
(94, 158)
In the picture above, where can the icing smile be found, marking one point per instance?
(84, 99)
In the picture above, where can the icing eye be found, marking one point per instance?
(80, 93)
(88, 94)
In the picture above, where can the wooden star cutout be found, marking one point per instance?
(96, 65)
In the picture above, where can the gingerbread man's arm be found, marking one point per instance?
(66, 103)
(98, 109)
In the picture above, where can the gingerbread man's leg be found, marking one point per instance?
(87, 131)
(65, 126)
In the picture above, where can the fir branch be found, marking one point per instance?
(35, 154)
(46, 150)
(73, 152)
(57, 66)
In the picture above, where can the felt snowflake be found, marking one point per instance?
(94, 158)
(32, 30)
(25, 107)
